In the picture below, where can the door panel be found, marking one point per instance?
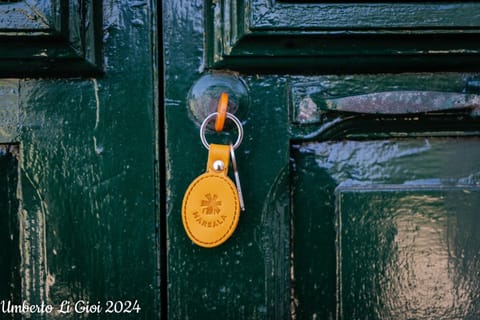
(248, 276)
(87, 149)
(321, 148)
(384, 228)
(409, 254)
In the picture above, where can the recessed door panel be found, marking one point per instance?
(406, 253)
(386, 228)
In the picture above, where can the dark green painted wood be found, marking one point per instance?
(9, 226)
(9, 110)
(248, 276)
(284, 259)
(384, 228)
(51, 38)
(88, 192)
(411, 253)
(313, 241)
(272, 36)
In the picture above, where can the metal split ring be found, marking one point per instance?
(229, 116)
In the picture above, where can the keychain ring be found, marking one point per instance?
(229, 116)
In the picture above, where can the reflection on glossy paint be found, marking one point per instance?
(403, 251)
(9, 109)
(420, 274)
(403, 161)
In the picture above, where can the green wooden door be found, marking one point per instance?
(359, 167)
(78, 133)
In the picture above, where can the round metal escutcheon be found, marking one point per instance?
(210, 210)
(205, 93)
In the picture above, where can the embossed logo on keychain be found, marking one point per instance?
(211, 205)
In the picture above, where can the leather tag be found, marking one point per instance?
(211, 208)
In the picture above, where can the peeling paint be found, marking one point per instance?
(98, 148)
(32, 213)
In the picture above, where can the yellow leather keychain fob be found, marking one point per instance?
(211, 205)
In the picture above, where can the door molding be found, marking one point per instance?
(51, 38)
(270, 35)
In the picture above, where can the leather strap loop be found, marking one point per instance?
(218, 152)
